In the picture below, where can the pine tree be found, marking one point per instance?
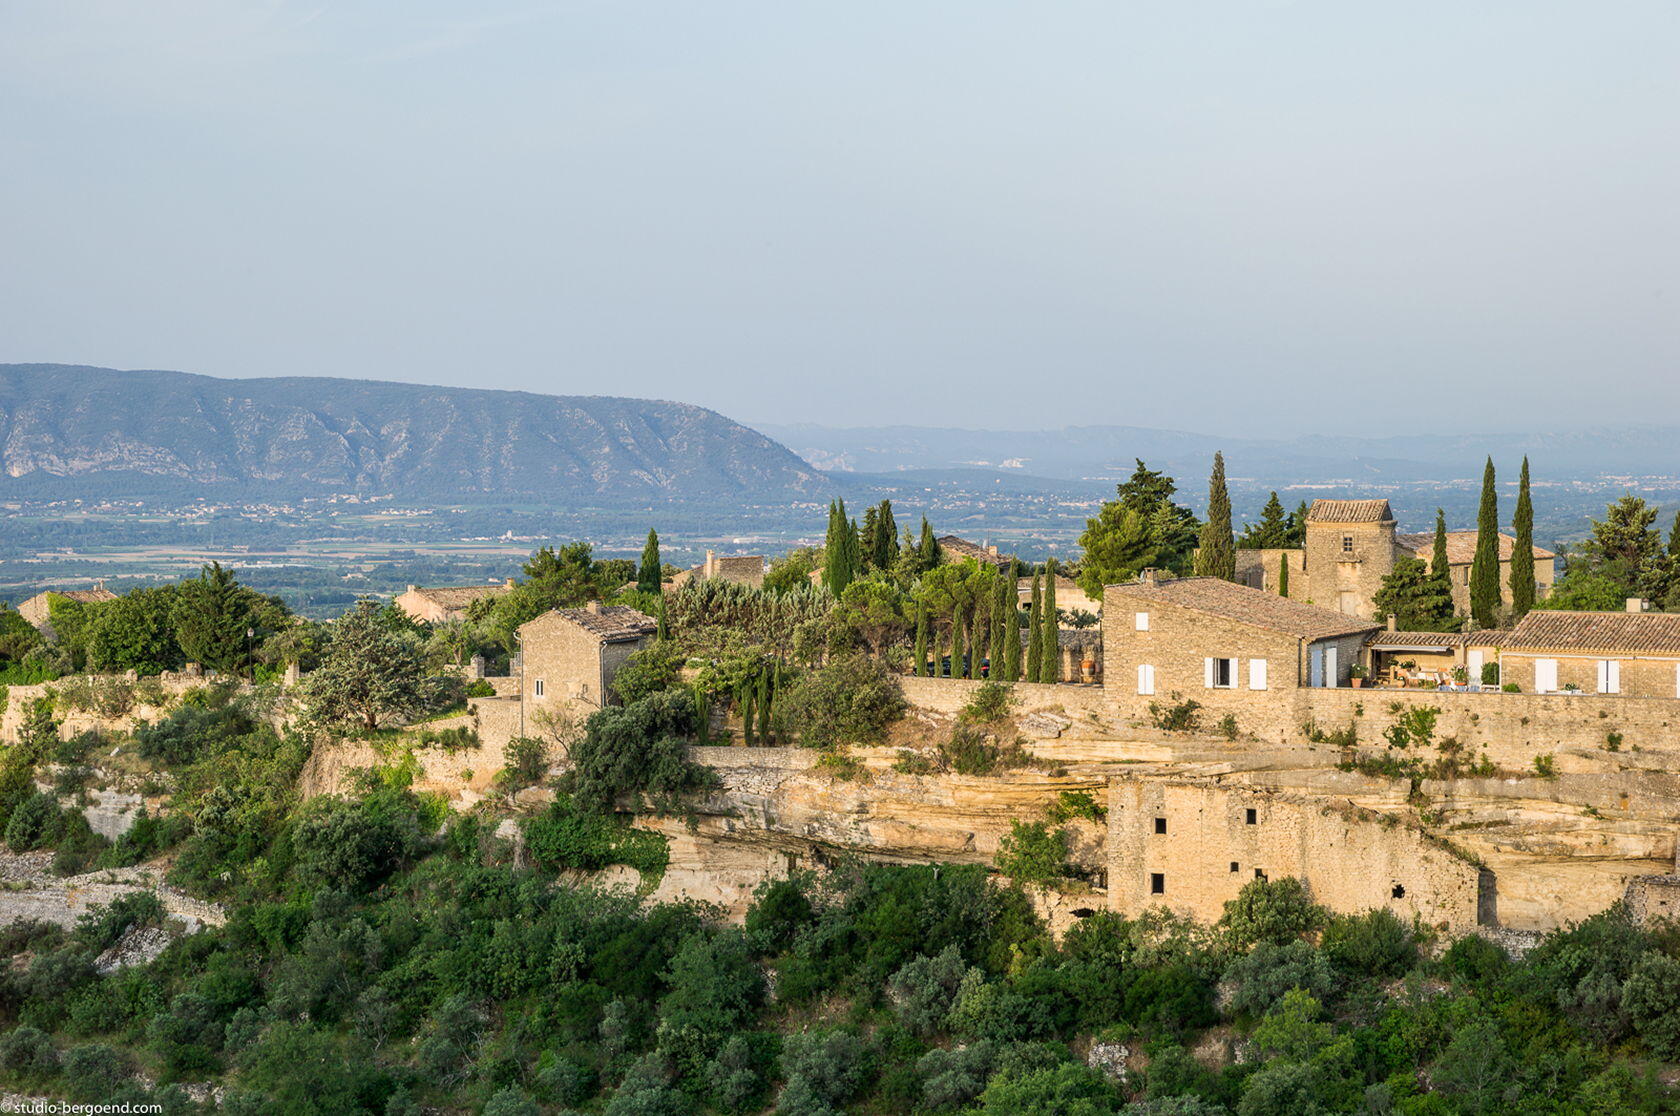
(650, 575)
(921, 639)
(1217, 556)
(211, 618)
(1417, 599)
(1050, 654)
(1283, 575)
(1272, 530)
(1522, 552)
(1484, 571)
(1296, 532)
(1035, 622)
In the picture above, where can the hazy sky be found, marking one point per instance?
(1214, 216)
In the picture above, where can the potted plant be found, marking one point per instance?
(1356, 675)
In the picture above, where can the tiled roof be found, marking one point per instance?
(1461, 547)
(1546, 630)
(1418, 639)
(459, 596)
(613, 623)
(1349, 511)
(956, 549)
(1219, 597)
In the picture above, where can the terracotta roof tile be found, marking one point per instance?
(85, 596)
(1418, 639)
(1249, 606)
(1349, 511)
(613, 623)
(1632, 632)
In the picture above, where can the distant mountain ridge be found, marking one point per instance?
(99, 432)
(1108, 452)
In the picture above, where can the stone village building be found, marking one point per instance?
(37, 609)
(742, 569)
(1351, 545)
(568, 656)
(443, 604)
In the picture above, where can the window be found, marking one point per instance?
(1146, 679)
(1221, 674)
(539, 688)
(1257, 674)
(1235, 867)
(1251, 816)
(1609, 676)
(1398, 892)
(1259, 873)
(1545, 676)
(1157, 884)
(1347, 544)
(1141, 619)
(1160, 825)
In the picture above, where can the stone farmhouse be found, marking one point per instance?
(37, 609)
(1203, 635)
(444, 604)
(1634, 653)
(1069, 596)
(1351, 545)
(742, 569)
(953, 548)
(568, 656)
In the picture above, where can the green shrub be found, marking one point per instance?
(968, 752)
(1275, 911)
(653, 669)
(566, 837)
(635, 751)
(1181, 716)
(852, 700)
(1375, 943)
(992, 701)
(1545, 766)
(1262, 976)
(1032, 853)
(1076, 804)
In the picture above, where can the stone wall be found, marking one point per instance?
(949, 695)
(1191, 846)
(73, 721)
(1654, 677)
(1345, 565)
(1260, 569)
(1652, 899)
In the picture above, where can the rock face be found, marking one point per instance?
(95, 432)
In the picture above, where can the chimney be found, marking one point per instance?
(414, 588)
(711, 564)
(991, 548)
(1637, 604)
(1393, 623)
(508, 581)
(1150, 576)
(594, 606)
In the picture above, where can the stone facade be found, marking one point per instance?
(742, 569)
(568, 656)
(1069, 596)
(1191, 846)
(1654, 899)
(1263, 569)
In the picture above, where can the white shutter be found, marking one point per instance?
(1146, 679)
(1142, 621)
(1614, 676)
(1257, 674)
(1473, 664)
(1332, 676)
(1207, 673)
(1545, 676)
(1677, 680)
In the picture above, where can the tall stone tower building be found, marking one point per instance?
(1350, 548)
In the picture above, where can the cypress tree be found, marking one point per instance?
(831, 545)
(1002, 611)
(1438, 564)
(921, 639)
(841, 553)
(1035, 621)
(886, 537)
(764, 699)
(650, 575)
(1522, 554)
(745, 697)
(1283, 575)
(927, 550)
(1217, 556)
(1050, 655)
(703, 714)
(1012, 640)
(663, 633)
(1484, 571)
(957, 624)
(866, 535)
